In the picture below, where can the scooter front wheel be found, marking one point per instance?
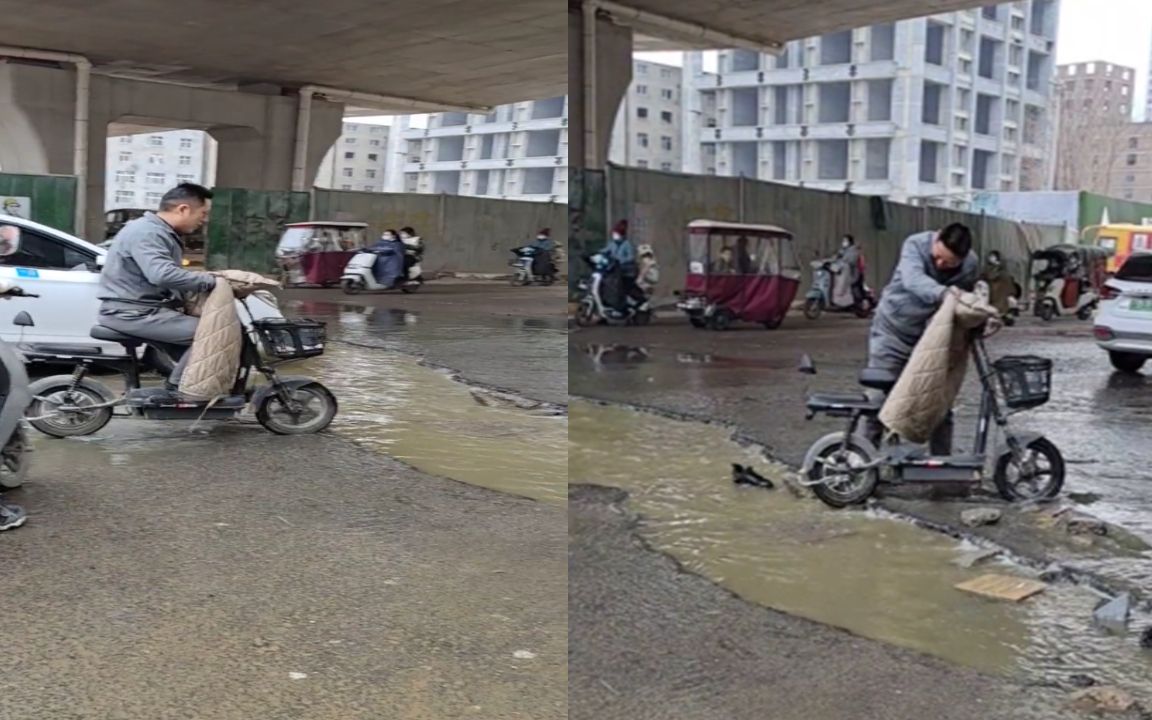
(833, 479)
(813, 308)
(1038, 475)
(351, 287)
(310, 409)
(81, 419)
(409, 288)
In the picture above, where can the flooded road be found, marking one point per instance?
(880, 578)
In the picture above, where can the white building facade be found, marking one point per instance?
(515, 152)
(142, 167)
(648, 132)
(929, 110)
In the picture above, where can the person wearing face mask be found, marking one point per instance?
(621, 250)
(543, 265)
(932, 264)
(850, 259)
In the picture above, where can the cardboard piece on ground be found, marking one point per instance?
(1003, 587)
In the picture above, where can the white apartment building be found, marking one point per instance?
(929, 110)
(358, 159)
(516, 152)
(142, 167)
(648, 130)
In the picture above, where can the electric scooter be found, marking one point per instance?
(523, 266)
(819, 297)
(76, 405)
(359, 275)
(845, 468)
(592, 308)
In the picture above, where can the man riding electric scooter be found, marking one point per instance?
(143, 281)
(931, 265)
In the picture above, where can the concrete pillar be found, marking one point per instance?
(613, 59)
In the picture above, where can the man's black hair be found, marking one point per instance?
(409, 230)
(957, 238)
(185, 194)
(850, 238)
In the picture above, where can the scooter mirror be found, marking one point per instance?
(807, 365)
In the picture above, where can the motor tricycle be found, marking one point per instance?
(845, 468)
(78, 405)
(738, 272)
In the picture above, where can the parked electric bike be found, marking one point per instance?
(602, 295)
(844, 468)
(820, 296)
(529, 268)
(77, 405)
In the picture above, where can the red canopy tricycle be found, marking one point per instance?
(739, 272)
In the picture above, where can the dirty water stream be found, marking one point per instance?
(874, 576)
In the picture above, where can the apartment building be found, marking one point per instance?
(142, 167)
(928, 110)
(648, 130)
(358, 159)
(517, 152)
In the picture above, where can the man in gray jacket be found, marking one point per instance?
(143, 282)
(931, 265)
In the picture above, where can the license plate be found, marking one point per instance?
(1142, 304)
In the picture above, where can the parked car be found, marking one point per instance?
(64, 271)
(1124, 322)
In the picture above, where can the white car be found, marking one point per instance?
(65, 272)
(1124, 321)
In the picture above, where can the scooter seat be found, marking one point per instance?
(851, 401)
(106, 333)
(877, 379)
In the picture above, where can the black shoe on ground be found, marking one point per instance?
(11, 516)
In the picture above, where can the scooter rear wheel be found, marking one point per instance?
(1042, 480)
(314, 411)
(60, 424)
(841, 489)
(351, 287)
(409, 288)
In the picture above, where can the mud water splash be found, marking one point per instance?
(877, 577)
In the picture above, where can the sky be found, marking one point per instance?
(1115, 31)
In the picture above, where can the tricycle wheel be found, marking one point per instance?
(837, 487)
(774, 323)
(812, 308)
(310, 409)
(1039, 477)
(50, 396)
(697, 321)
(721, 319)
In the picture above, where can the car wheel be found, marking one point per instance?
(1127, 362)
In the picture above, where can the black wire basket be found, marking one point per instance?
(1026, 380)
(291, 339)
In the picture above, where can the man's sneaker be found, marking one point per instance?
(11, 516)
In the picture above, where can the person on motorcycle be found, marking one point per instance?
(543, 263)
(852, 261)
(413, 249)
(143, 282)
(931, 265)
(649, 271)
(621, 250)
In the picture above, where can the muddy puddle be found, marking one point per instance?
(421, 416)
(874, 576)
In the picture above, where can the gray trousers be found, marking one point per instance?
(888, 353)
(173, 331)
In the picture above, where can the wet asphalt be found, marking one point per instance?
(236, 575)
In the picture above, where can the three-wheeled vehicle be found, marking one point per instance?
(1068, 280)
(316, 253)
(739, 272)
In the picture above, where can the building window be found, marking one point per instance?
(370, 173)
(668, 94)
(642, 163)
(665, 142)
(666, 73)
(929, 161)
(374, 143)
(836, 48)
(642, 138)
(832, 159)
(641, 89)
(879, 100)
(346, 172)
(1129, 179)
(641, 69)
(369, 188)
(125, 139)
(883, 42)
(375, 130)
(641, 112)
(666, 116)
(185, 160)
(1133, 143)
(155, 159)
(666, 167)
(125, 176)
(876, 154)
(1131, 160)
(185, 143)
(185, 178)
(154, 198)
(349, 156)
(934, 43)
(125, 157)
(345, 187)
(990, 12)
(835, 102)
(156, 140)
(349, 141)
(373, 157)
(156, 178)
(125, 197)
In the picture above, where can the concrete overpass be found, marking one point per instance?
(604, 33)
(268, 80)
